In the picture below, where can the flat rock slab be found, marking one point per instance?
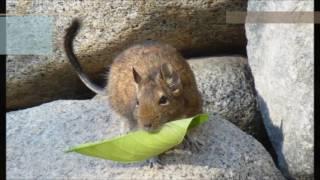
(37, 138)
(281, 57)
(192, 26)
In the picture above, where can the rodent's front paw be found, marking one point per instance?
(193, 144)
(155, 162)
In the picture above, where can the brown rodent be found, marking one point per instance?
(148, 84)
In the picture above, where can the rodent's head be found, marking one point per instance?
(159, 97)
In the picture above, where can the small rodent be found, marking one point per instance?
(149, 84)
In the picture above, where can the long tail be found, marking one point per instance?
(71, 32)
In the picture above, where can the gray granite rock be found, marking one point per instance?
(37, 138)
(281, 57)
(227, 88)
(194, 26)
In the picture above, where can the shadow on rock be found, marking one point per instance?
(272, 138)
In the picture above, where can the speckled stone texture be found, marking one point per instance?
(37, 138)
(281, 57)
(196, 26)
(227, 88)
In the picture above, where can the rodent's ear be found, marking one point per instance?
(171, 78)
(136, 76)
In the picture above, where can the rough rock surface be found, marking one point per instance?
(227, 88)
(196, 26)
(281, 57)
(37, 138)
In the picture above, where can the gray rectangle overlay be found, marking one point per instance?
(28, 35)
(282, 17)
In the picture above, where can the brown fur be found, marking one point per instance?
(147, 59)
(145, 73)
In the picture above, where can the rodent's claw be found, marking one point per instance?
(155, 162)
(193, 144)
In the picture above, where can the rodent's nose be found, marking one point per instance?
(147, 125)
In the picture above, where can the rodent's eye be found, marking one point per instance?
(163, 100)
(137, 102)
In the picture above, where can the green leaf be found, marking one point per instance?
(141, 145)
